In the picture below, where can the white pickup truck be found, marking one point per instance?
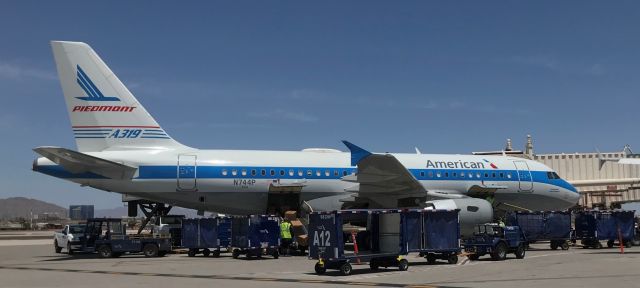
(69, 238)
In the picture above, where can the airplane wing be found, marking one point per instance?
(76, 162)
(381, 174)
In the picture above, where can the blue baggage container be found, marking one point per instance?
(255, 235)
(552, 226)
(437, 233)
(224, 231)
(382, 237)
(200, 235)
(593, 226)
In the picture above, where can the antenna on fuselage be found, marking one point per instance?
(417, 150)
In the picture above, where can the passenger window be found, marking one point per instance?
(430, 174)
(327, 173)
(501, 175)
(509, 175)
(234, 172)
(455, 174)
(272, 172)
(493, 175)
(282, 173)
(224, 172)
(263, 172)
(253, 172)
(318, 173)
(309, 173)
(244, 172)
(486, 175)
(421, 173)
(290, 172)
(478, 175)
(335, 173)
(300, 173)
(471, 175)
(446, 174)
(462, 174)
(438, 174)
(344, 173)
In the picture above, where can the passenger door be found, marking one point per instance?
(187, 168)
(524, 176)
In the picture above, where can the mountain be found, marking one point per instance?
(23, 207)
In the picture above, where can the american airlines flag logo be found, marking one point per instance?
(491, 164)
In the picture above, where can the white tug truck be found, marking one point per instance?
(69, 238)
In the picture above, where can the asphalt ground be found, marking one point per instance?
(36, 265)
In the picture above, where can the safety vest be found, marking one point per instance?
(285, 231)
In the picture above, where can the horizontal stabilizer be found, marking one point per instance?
(76, 162)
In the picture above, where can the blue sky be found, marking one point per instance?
(447, 77)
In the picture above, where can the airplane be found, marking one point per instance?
(121, 148)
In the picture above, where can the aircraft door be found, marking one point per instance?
(187, 173)
(524, 176)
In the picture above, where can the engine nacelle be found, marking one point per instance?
(472, 211)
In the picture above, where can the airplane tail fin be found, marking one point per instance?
(104, 114)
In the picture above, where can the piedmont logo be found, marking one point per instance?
(490, 164)
(94, 94)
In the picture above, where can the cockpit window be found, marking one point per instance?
(552, 175)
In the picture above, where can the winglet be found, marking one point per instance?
(357, 153)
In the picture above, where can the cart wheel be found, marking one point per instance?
(235, 253)
(150, 250)
(346, 269)
(520, 251)
(554, 245)
(57, 248)
(215, 253)
(565, 245)
(473, 257)
(403, 265)
(374, 265)
(192, 252)
(320, 269)
(500, 252)
(598, 245)
(628, 244)
(275, 254)
(431, 259)
(609, 243)
(206, 252)
(453, 259)
(104, 251)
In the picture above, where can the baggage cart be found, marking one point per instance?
(380, 239)
(552, 226)
(595, 226)
(255, 235)
(440, 234)
(200, 235)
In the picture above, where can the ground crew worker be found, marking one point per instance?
(285, 235)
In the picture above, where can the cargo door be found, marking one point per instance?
(524, 176)
(187, 173)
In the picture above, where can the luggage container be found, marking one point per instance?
(440, 231)
(255, 235)
(552, 226)
(224, 231)
(594, 226)
(381, 238)
(200, 235)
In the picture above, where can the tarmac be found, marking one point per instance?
(37, 265)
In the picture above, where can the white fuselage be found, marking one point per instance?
(239, 181)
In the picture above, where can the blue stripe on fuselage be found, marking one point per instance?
(255, 172)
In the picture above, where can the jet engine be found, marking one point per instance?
(472, 211)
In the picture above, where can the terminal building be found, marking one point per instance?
(601, 181)
(80, 212)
